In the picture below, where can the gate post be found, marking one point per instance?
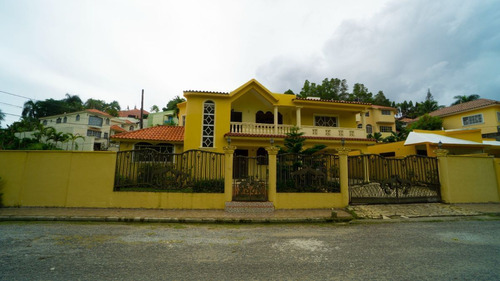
(272, 151)
(443, 174)
(228, 172)
(344, 177)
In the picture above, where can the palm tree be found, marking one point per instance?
(74, 102)
(155, 108)
(30, 109)
(2, 116)
(463, 99)
(58, 137)
(73, 138)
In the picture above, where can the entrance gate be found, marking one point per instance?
(250, 178)
(376, 179)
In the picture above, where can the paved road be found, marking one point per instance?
(454, 250)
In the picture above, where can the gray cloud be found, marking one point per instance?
(451, 47)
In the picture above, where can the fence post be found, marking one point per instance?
(228, 172)
(366, 168)
(442, 156)
(272, 151)
(344, 176)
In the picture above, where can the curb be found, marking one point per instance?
(173, 220)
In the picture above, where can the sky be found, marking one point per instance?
(111, 50)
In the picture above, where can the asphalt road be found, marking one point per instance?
(453, 250)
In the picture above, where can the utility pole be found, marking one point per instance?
(142, 109)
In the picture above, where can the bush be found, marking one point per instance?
(209, 186)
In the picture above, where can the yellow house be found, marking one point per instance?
(252, 117)
(378, 119)
(480, 114)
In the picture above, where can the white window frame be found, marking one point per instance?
(203, 124)
(326, 115)
(385, 127)
(369, 126)
(475, 123)
(384, 111)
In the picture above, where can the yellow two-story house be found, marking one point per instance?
(481, 114)
(378, 119)
(252, 118)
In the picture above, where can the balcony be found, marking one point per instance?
(309, 131)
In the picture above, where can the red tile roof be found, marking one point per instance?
(333, 101)
(134, 112)
(157, 133)
(97, 112)
(283, 136)
(384, 107)
(466, 106)
(206, 92)
(117, 128)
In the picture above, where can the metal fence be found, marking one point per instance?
(376, 179)
(307, 173)
(150, 170)
(250, 178)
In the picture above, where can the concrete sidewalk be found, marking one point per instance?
(378, 212)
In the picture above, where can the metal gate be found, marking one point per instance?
(376, 179)
(250, 178)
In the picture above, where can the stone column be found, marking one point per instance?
(228, 172)
(272, 151)
(366, 168)
(344, 174)
(363, 120)
(275, 120)
(442, 156)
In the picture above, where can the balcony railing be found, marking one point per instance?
(316, 131)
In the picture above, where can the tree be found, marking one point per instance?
(427, 122)
(73, 138)
(427, 106)
(294, 143)
(377, 136)
(74, 102)
(2, 116)
(155, 108)
(289, 92)
(394, 137)
(361, 93)
(463, 99)
(172, 105)
(380, 99)
(30, 109)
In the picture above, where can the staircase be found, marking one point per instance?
(249, 207)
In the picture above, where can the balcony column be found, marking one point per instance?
(363, 120)
(298, 117)
(275, 120)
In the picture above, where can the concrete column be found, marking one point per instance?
(299, 124)
(344, 174)
(442, 156)
(228, 172)
(363, 120)
(275, 120)
(366, 168)
(272, 151)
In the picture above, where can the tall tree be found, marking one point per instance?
(30, 109)
(2, 116)
(427, 106)
(361, 93)
(464, 99)
(172, 105)
(74, 102)
(380, 99)
(155, 108)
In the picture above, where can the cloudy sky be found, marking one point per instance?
(111, 50)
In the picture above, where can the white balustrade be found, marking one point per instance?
(319, 131)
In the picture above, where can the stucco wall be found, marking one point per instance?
(82, 179)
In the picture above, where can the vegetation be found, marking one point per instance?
(172, 105)
(464, 98)
(294, 143)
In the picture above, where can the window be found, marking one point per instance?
(385, 129)
(44, 122)
(106, 135)
(92, 133)
(262, 158)
(360, 126)
(95, 121)
(107, 121)
(131, 128)
(498, 116)
(208, 128)
(58, 120)
(65, 119)
(386, 112)
(367, 114)
(77, 118)
(166, 149)
(183, 120)
(369, 129)
(472, 120)
(325, 121)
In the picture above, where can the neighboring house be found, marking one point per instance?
(252, 118)
(162, 118)
(165, 139)
(378, 119)
(92, 124)
(134, 116)
(481, 114)
(423, 142)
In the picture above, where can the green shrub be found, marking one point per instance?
(209, 186)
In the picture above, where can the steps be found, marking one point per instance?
(249, 207)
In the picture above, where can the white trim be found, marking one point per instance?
(326, 115)
(202, 124)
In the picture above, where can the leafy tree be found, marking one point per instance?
(464, 99)
(377, 136)
(394, 137)
(289, 92)
(73, 138)
(2, 116)
(427, 122)
(427, 106)
(74, 102)
(155, 108)
(172, 105)
(361, 93)
(30, 109)
(380, 99)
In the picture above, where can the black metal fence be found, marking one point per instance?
(376, 179)
(150, 170)
(307, 173)
(250, 178)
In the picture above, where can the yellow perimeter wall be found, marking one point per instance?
(469, 179)
(82, 179)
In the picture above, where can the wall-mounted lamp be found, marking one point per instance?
(271, 141)
(228, 140)
(342, 141)
(440, 144)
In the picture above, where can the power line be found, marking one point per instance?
(11, 104)
(16, 95)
